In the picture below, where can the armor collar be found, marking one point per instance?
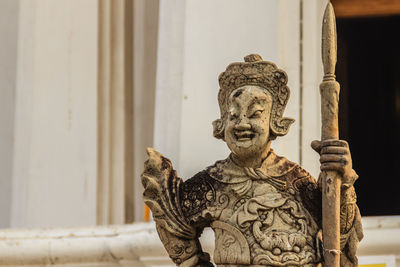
(273, 166)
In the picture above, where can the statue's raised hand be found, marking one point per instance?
(161, 190)
(157, 171)
(154, 166)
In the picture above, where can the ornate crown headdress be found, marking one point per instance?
(255, 71)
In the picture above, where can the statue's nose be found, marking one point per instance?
(243, 125)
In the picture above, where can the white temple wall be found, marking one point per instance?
(54, 161)
(8, 61)
(204, 37)
(56, 95)
(49, 79)
(312, 73)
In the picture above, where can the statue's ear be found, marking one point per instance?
(218, 129)
(281, 126)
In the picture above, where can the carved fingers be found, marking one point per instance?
(335, 156)
(316, 145)
(155, 160)
(156, 166)
(330, 146)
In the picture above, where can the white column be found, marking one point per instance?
(8, 69)
(288, 40)
(54, 173)
(167, 121)
(115, 112)
(146, 13)
(313, 11)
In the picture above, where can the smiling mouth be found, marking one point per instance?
(244, 135)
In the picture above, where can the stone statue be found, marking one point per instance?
(264, 209)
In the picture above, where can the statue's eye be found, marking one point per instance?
(256, 114)
(233, 116)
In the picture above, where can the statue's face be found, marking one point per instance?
(247, 125)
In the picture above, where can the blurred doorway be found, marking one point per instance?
(368, 70)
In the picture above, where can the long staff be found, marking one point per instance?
(331, 182)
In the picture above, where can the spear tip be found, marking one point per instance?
(329, 42)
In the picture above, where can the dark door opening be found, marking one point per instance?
(368, 70)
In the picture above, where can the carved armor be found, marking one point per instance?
(269, 216)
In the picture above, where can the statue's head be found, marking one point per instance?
(252, 98)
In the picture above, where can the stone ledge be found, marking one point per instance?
(138, 244)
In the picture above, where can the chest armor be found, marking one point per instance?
(257, 224)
